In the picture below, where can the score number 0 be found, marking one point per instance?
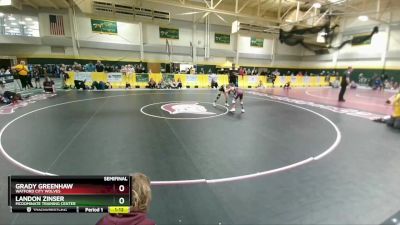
(121, 188)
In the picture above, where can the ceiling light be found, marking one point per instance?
(28, 19)
(317, 5)
(11, 18)
(363, 18)
(1, 14)
(14, 24)
(21, 22)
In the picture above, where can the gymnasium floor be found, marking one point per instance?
(281, 162)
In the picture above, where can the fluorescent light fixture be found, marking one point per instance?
(21, 22)
(11, 18)
(28, 19)
(363, 18)
(1, 14)
(317, 5)
(14, 24)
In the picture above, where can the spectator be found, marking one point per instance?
(214, 83)
(344, 82)
(100, 85)
(48, 85)
(152, 83)
(394, 119)
(17, 81)
(80, 84)
(90, 67)
(99, 66)
(141, 198)
(179, 83)
(8, 96)
(353, 85)
(36, 76)
(22, 71)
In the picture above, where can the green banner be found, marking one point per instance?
(104, 26)
(222, 38)
(142, 77)
(169, 33)
(257, 42)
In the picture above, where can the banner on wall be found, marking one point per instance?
(104, 26)
(252, 80)
(293, 79)
(257, 42)
(222, 38)
(114, 77)
(169, 77)
(169, 33)
(283, 79)
(83, 76)
(306, 80)
(142, 77)
(191, 78)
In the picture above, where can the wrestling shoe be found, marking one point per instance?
(226, 104)
(233, 101)
(214, 104)
(243, 111)
(232, 110)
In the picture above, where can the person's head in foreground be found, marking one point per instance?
(141, 197)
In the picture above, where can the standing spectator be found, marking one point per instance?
(22, 71)
(99, 66)
(344, 82)
(36, 76)
(141, 197)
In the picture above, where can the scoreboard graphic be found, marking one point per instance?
(69, 194)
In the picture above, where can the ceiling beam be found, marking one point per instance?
(28, 2)
(52, 4)
(216, 5)
(244, 6)
(221, 12)
(65, 3)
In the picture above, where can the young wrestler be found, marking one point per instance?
(237, 94)
(222, 89)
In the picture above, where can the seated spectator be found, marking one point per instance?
(141, 198)
(100, 85)
(287, 85)
(179, 83)
(353, 85)
(152, 83)
(173, 84)
(260, 84)
(336, 83)
(80, 84)
(48, 85)
(8, 97)
(162, 84)
(394, 119)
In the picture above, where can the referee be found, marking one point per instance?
(344, 82)
(22, 71)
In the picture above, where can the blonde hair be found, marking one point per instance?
(141, 192)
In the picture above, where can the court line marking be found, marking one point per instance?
(193, 181)
(182, 118)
